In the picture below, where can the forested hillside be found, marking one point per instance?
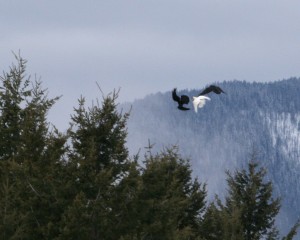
(83, 184)
(264, 117)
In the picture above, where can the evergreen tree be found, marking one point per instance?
(91, 189)
(99, 161)
(293, 232)
(249, 211)
(128, 204)
(12, 218)
(253, 198)
(29, 153)
(171, 202)
(13, 92)
(212, 225)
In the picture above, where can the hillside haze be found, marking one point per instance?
(260, 118)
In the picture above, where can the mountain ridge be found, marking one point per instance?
(220, 137)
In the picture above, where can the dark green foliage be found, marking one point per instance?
(212, 224)
(83, 185)
(249, 211)
(293, 232)
(12, 225)
(253, 198)
(13, 92)
(170, 202)
(99, 161)
(29, 156)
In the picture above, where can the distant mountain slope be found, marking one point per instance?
(220, 137)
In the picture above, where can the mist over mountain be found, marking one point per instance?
(252, 117)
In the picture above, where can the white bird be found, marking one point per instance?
(199, 102)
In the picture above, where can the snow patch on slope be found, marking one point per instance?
(284, 129)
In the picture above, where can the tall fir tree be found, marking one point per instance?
(249, 211)
(29, 151)
(170, 201)
(252, 196)
(99, 161)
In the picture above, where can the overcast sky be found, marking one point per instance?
(148, 46)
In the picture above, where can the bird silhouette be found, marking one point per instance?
(212, 88)
(183, 99)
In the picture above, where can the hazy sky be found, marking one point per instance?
(148, 46)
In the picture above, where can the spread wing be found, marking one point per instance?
(212, 88)
(217, 89)
(175, 96)
(207, 90)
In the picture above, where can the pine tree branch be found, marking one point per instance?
(32, 188)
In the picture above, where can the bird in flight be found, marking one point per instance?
(212, 88)
(200, 100)
(183, 99)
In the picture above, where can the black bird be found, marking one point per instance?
(212, 88)
(183, 99)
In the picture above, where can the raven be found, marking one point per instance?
(183, 99)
